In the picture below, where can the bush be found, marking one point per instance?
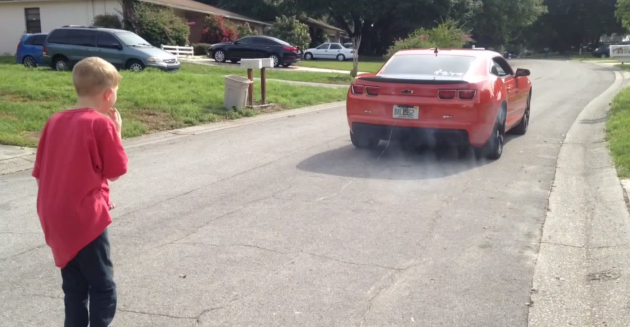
(218, 29)
(291, 30)
(245, 30)
(201, 49)
(107, 21)
(159, 25)
(446, 35)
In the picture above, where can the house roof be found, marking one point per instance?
(322, 24)
(195, 6)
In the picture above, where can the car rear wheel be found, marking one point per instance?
(308, 56)
(29, 62)
(60, 64)
(493, 149)
(219, 56)
(362, 142)
(135, 66)
(522, 127)
(341, 57)
(276, 60)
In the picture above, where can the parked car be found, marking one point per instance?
(462, 97)
(282, 53)
(66, 46)
(603, 51)
(30, 50)
(334, 51)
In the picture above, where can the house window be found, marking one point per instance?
(33, 24)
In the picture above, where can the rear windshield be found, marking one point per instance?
(440, 65)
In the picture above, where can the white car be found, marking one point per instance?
(334, 51)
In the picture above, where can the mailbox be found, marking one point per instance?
(257, 63)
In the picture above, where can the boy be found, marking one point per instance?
(79, 151)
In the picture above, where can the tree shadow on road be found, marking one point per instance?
(393, 162)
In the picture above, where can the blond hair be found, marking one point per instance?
(93, 75)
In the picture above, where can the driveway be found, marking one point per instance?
(284, 223)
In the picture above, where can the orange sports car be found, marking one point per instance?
(435, 96)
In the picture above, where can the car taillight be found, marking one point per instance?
(467, 94)
(371, 90)
(294, 49)
(357, 89)
(44, 51)
(447, 94)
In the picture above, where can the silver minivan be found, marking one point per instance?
(66, 46)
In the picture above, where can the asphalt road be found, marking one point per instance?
(284, 223)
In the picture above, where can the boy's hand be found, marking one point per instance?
(114, 115)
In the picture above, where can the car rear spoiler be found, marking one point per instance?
(379, 79)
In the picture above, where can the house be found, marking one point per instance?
(332, 33)
(42, 16)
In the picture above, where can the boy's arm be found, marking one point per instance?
(112, 153)
(41, 147)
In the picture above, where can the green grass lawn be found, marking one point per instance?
(281, 73)
(148, 101)
(618, 132)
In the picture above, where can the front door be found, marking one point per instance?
(109, 48)
(514, 111)
(321, 51)
(242, 49)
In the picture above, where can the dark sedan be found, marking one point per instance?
(282, 53)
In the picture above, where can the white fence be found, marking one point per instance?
(179, 51)
(620, 52)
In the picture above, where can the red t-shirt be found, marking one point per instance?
(79, 150)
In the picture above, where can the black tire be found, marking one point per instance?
(286, 65)
(462, 151)
(135, 65)
(341, 57)
(219, 56)
(361, 142)
(61, 63)
(308, 56)
(522, 127)
(493, 149)
(276, 59)
(29, 62)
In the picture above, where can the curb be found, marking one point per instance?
(579, 276)
(25, 162)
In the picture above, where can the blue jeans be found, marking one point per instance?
(90, 276)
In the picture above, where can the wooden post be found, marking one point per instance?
(263, 84)
(250, 94)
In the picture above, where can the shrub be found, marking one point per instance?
(201, 49)
(107, 21)
(445, 35)
(291, 30)
(159, 25)
(245, 30)
(218, 29)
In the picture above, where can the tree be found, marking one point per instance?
(570, 24)
(381, 22)
(107, 21)
(158, 25)
(245, 30)
(445, 35)
(622, 13)
(217, 29)
(498, 22)
(291, 30)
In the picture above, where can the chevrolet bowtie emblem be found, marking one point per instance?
(407, 91)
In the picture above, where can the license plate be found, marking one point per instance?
(406, 112)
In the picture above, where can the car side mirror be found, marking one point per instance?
(520, 72)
